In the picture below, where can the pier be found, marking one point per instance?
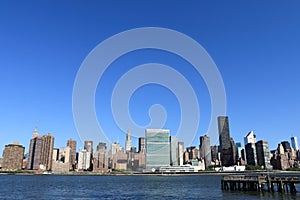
(270, 183)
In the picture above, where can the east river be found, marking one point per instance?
(124, 187)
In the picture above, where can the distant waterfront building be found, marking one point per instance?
(250, 138)
(204, 149)
(55, 155)
(262, 151)
(181, 153)
(100, 159)
(227, 144)
(294, 141)
(128, 142)
(114, 148)
(64, 155)
(251, 156)
(141, 144)
(173, 151)
(101, 146)
(192, 153)
(157, 148)
(119, 160)
(88, 146)
(214, 153)
(13, 157)
(72, 144)
(47, 151)
(280, 158)
(84, 160)
(286, 146)
(35, 151)
(239, 149)
(250, 148)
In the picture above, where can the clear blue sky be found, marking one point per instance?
(255, 45)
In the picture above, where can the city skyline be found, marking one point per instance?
(224, 133)
(157, 151)
(254, 47)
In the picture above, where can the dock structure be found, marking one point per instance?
(260, 183)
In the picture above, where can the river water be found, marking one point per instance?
(124, 187)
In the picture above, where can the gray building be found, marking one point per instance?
(157, 148)
(205, 150)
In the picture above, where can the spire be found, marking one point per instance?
(35, 132)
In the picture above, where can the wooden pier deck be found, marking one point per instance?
(271, 183)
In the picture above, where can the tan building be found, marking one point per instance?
(119, 161)
(13, 157)
(47, 151)
(100, 161)
(60, 167)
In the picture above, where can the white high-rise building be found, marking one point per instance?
(294, 141)
(84, 160)
(128, 142)
(180, 153)
(250, 138)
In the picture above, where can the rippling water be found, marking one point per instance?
(123, 187)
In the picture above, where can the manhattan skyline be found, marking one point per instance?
(255, 47)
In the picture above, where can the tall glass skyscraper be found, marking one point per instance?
(294, 142)
(157, 148)
(226, 143)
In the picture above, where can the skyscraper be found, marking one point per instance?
(88, 146)
(72, 144)
(173, 151)
(100, 159)
(251, 155)
(128, 142)
(114, 148)
(13, 157)
(262, 151)
(214, 153)
(250, 138)
(294, 142)
(226, 147)
(35, 151)
(157, 148)
(180, 153)
(83, 160)
(40, 151)
(47, 151)
(141, 144)
(286, 146)
(204, 149)
(101, 146)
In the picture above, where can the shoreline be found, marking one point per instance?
(153, 174)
